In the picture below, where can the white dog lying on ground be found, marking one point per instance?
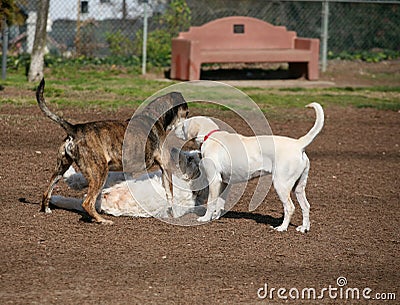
(116, 198)
(283, 157)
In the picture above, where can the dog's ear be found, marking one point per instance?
(192, 129)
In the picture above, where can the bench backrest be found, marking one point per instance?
(240, 33)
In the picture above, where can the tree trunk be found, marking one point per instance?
(39, 45)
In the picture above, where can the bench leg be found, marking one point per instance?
(175, 66)
(307, 69)
(313, 70)
(194, 70)
(179, 67)
(298, 69)
(186, 59)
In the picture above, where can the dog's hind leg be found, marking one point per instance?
(302, 199)
(96, 176)
(283, 191)
(63, 163)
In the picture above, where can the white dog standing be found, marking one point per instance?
(283, 157)
(116, 198)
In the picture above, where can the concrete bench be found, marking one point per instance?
(242, 40)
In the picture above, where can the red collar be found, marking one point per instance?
(209, 134)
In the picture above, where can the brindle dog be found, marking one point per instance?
(96, 147)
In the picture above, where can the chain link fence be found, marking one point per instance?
(99, 28)
(357, 25)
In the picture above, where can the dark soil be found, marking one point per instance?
(353, 189)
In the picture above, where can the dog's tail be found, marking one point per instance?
(315, 130)
(69, 128)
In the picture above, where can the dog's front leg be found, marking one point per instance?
(220, 206)
(166, 177)
(63, 163)
(168, 186)
(213, 198)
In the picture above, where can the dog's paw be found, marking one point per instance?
(204, 218)
(303, 229)
(163, 213)
(170, 213)
(46, 210)
(217, 214)
(105, 222)
(279, 228)
(182, 211)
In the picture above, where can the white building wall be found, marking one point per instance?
(68, 9)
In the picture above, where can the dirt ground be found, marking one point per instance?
(353, 189)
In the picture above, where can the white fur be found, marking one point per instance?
(230, 158)
(78, 182)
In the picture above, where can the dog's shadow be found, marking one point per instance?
(257, 217)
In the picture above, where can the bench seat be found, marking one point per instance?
(252, 56)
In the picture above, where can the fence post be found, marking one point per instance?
(144, 52)
(78, 30)
(5, 47)
(324, 34)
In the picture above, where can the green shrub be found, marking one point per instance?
(368, 56)
(11, 12)
(50, 61)
(119, 44)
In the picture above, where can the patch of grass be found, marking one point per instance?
(55, 92)
(15, 79)
(384, 89)
(111, 87)
(366, 89)
(385, 98)
(295, 89)
(202, 105)
(18, 102)
(7, 101)
(270, 99)
(380, 106)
